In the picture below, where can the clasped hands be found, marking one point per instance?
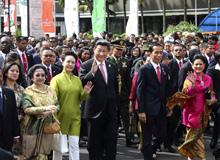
(48, 110)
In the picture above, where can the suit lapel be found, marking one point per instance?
(4, 99)
(162, 73)
(108, 66)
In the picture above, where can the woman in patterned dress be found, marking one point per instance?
(39, 102)
(12, 77)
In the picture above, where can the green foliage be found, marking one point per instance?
(61, 3)
(64, 36)
(89, 36)
(18, 33)
(182, 27)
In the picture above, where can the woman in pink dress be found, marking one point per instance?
(196, 111)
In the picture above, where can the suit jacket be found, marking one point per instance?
(214, 73)
(102, 95)
(36, 58)
(173, 68)
(31, 51)
(152, 94)
(9, 124)
(1, 61)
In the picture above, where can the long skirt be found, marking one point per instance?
(194, 143)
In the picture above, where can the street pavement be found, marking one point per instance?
(132, 153)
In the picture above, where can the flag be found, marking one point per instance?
(98, 17)
(23, 13)
(47, 16)
(12, 16)
(132, 24)
(71, 14)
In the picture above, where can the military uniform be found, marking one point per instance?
(124, 83)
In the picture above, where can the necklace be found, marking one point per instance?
(202, 83)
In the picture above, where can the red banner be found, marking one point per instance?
(47, 16)
(12, 16)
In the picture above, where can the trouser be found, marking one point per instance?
(159, 122)
(124, 113)
(216, 129)
(73, 149)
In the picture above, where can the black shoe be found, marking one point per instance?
(131, 142)
(213, 143)
(159, 149)
(171, 149)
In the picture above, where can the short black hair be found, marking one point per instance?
(217, 55)
(60, 50)
(193, 44)
(154, 45)
(12, 56)
(102, 42)
(21, 38)
(5, 71)
(47, 49)
(69, 53)
(34, 68)
(58, 44)
(199, 56)
(74, 35)
(214, 38)
(77, 45)
(82, 50)
(136, 39)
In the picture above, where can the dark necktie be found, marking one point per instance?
(158, 74)
(48, 76)
(1, 103)
(210, 59)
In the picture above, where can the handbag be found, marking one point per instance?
(53, 127)
(207, 93)
(60, 143)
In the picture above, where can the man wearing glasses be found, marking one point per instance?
(52, 42)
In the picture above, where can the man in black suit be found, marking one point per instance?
(214, 72)
(5, 155)
(152, 89)
(9, 124)
(174, 66)
(101, 105)
(26, 59)
(36, 56)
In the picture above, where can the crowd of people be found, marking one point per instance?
(169, 87)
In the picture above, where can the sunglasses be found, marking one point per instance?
(176, 50)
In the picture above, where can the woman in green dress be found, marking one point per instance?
(38, 108)
(70, 93)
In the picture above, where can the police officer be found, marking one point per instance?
(124, 83)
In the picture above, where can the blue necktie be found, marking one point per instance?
(1, 103)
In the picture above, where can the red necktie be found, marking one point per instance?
(180, 64)
(24, 62)
(102, 71)
(209, 59)
(48, 76)
(158, 74)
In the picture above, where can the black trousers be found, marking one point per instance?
(158, 122)
(102, 135)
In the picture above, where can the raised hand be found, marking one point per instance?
(192, 78)
(94, 67)
(88, 87)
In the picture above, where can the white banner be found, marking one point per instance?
(71, 16)
(12, 18)
(23, 13)
(132, 25)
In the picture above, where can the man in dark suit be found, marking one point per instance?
(36, 56)
(5, 155)
(101, 105)
(26, 59)
(9, 124)
(152, 90)
(5, 48)
(174, 66)
(214, 72)
(124, 84)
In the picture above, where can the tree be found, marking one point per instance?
(185, 10)
(110, 12)
(142, 15)
(164, 16)
(209, 6)
(124, 8)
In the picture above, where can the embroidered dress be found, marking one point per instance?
(35, 102)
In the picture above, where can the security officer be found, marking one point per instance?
(124, 83)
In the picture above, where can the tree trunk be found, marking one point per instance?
(124, 6)
(164, 16)
(185, 10)
(209, 6)
(107, 9)
(142, 17)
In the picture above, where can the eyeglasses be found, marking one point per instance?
(176, 50)
(48, 55)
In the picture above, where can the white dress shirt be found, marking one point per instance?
(155, 66)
